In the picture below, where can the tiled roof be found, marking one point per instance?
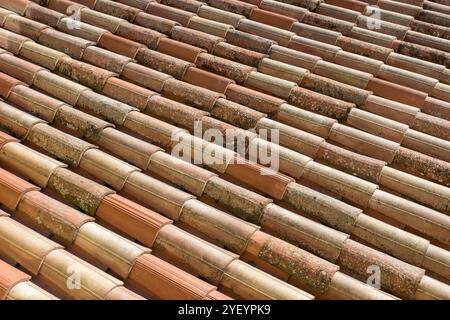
(95, 90)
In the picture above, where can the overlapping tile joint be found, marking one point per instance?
(98, 96)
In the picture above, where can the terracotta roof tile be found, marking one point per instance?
(84, 73)
(18, 123)
(270, 247)
(234, 6)
(27, 161)
(293, 138)
(145, 77)
(101, 20)
(315, 33)
(212, 27)
(105, 59)
(13, 189)
(280, 36)
(140, 4)
(43, 15)
(142, 223)
(163, 63)
(273, 19)
(391, 109)
(252, 173)
(120, 253)
(121, 11)
(283, 8)
(87, 3)
(10, 277)
(321, 104)
(159, 196)
(215, 14)
(174, 112)
(119, 45)
(376, 38)
(411, 275)
(234, 113)
(397, 6)
(135, 150)
(358, 62)
(111, 170)
(18, 6)
(431, 125)
(342, 74)
(127, 92)
(30, 28)
(249, 41)
(187, 5)
(331, 23)
(436, 258)
(19, 69)
(208, 261)
(365, 167)
(41, 55)
(244, 280)
(253, 99)
(139, 34)
(335, 89)
(3, 15)
(190, 177)
(312, 47)
(437, 108)
(35, 103)
(189, 94)
(107, 108)
(24, 246)
(396, 92)
(269, 84)
(305, 120)
(80, 29)
(430, 145)
(69, 184)
(60, 41)
(5, 138)
(366, 144)
(166, 281)
(377, 125)
(227, 230)
(156, 23)
(7, 84)
(94, 284)
(178, 49)
(170, 13)
(196, 38)
(424, 218)
(341, 12)
(63, 221)
(330, 175)
(432, 194)
(428, 288)
(11, 41)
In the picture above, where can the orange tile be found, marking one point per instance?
(179, 49)
(7, 83)
(9, 277)
(131, 218)
(206, 80)
(268, 182)
(13, 189)
(272, 19)
(396, 92)
(119, 45)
